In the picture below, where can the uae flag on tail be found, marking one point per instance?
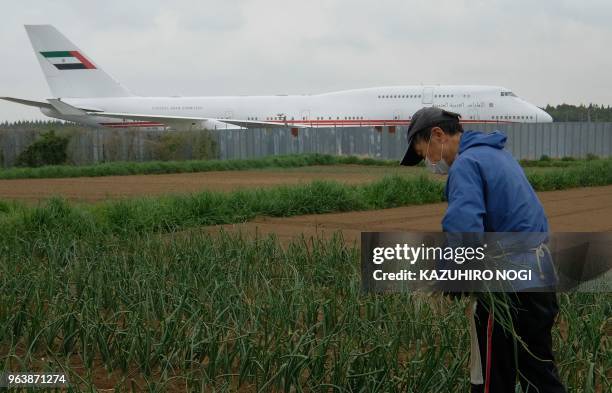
(68, 60)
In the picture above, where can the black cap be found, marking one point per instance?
(422, 119)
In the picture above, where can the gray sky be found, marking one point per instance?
(545, 51)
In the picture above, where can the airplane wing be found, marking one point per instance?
(37, 104)
(54, 103)
(171, 121)
(186, 121)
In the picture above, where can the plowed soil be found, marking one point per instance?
(575, 210)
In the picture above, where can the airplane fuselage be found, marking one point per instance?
(382, 106)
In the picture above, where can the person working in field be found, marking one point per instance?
(487, 191)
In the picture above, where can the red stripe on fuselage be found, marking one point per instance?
(309, 122)
(372, 122)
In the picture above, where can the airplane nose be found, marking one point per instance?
(544, 117)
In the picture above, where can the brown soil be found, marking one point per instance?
(575, 210)
(92, 189)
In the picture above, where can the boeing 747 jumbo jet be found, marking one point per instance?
(84, 93)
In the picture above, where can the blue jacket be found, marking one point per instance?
(487, 191)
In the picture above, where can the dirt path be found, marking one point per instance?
(576, 210)
(92, 189)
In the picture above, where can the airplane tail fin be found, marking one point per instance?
(69, 72)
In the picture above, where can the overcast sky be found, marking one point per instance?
(548, 52)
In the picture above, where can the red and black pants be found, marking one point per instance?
(503, 360)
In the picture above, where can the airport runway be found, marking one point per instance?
(575, 210)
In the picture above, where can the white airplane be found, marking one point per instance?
(84, 93)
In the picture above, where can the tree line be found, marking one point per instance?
(588, 113)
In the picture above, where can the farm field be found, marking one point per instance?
(94, 189)
(136, 295)
(574, 210)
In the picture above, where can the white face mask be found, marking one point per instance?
(438, 168)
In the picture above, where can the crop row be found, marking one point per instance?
(199, 313)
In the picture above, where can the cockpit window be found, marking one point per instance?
(507, 93)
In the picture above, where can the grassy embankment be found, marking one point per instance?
(161, 167)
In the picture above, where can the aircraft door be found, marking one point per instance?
(427, 96)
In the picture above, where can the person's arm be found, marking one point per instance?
(466, 203)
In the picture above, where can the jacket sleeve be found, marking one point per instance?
(466, 201)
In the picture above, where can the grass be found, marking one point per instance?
(200, 313)
(585, 174)
(170, 213)
(159, 167)
(190, 166)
